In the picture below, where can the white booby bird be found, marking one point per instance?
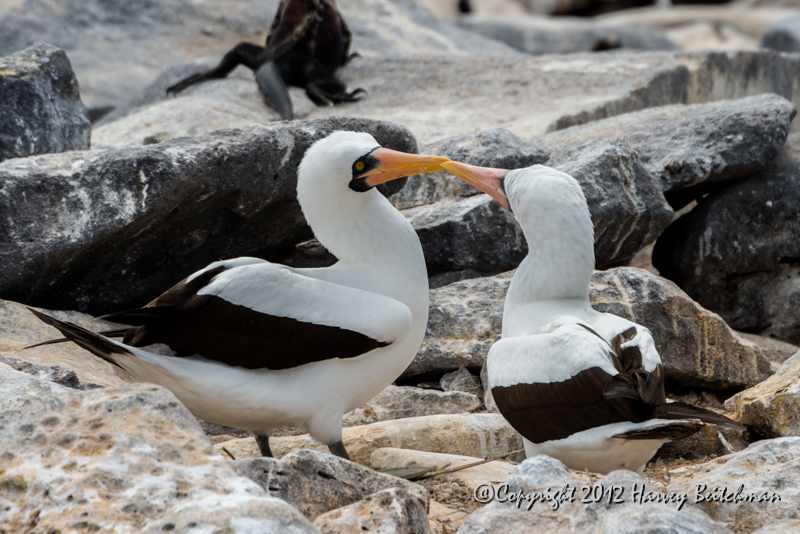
(581, 386)
(261, 345)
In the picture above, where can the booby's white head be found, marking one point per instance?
(335, 189)
(551, 209)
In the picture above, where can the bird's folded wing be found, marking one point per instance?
(267, 316)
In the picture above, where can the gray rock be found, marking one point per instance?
(563, 35)
(497, 148)
(387, 511)
(553, 7)
(132, 457)
(627, 206)
(461, 380)
(51, 373)
(766, 467)
(686, 146)
(40, 104)
(737, 252)
(704, 444)
(772, 408)
(697, 347)
(16, 386)
(783, 35)
(399, 402)
(316, 483)
(172, 208)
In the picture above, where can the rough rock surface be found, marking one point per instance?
(477, 434)
(316, 483)
(461, 380)
(774, 350)
(766, 467)
(545, 35)
(398, 402)
(40, 104)
(172, 208)
(737, 252)
(772, 407)
(464, 319)
(130, 43)
(132, 456)
(20, 328)
(685, 146)
(497, 148)
(783, 35)
(697, 347)
(548, 477)
(389, 510)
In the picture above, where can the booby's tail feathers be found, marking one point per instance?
(688, 419)
(91, 341)
(679, 410)
(670, 430)
(119, 332)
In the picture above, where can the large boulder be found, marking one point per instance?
(82, 223)
(40, 105)
(389, 510)
(698, 349)
(399, 402)
(538, 35)
(690, 146)
(132, 457)
(737, 252)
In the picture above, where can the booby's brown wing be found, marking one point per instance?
(265, 316)
(593, 397)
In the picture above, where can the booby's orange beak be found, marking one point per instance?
(490, 181)
(392, 164)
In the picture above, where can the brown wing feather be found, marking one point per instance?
(235, 335)
(550, 411)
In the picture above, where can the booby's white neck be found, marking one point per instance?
(552, 211)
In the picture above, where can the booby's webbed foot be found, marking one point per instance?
(272, 86)
(246, 54)
(337, 448)
(262, 440)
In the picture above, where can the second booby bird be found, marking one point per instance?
(260, 345)
(581, 386)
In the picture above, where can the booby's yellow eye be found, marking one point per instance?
(359, 165)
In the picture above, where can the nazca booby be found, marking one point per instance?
(582, 386)
(262, 345)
